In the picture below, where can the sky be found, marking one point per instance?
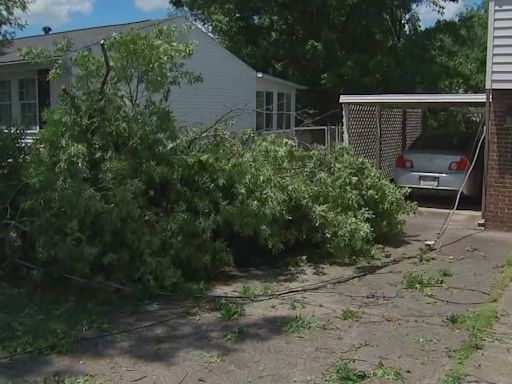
(64, 15)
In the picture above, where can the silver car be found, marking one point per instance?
(438, 163)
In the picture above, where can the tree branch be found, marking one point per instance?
(107, 66)
(71, 98)
(213, 125)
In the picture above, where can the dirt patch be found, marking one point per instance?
(329, 316)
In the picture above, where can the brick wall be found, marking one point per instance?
(498, 212)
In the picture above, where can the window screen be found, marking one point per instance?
(28, 102)
(5, 103)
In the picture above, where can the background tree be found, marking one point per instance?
(354, 46)
(10, 18)
(11, 153)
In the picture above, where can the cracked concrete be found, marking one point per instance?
(402, 328)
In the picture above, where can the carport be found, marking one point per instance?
(380, 127)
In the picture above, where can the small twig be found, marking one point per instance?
(184, 378)
(71, 98)
(213, 125)
(107, 66)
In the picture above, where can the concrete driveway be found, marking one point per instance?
(315, 318)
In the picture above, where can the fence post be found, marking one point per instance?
(404, 129)
(326, 138)
(346, 124)
(378, 146)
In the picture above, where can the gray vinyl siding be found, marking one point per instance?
(499, 62)
(228, 85)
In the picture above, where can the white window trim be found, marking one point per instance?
(275, 109)
(15, 98)
(8, 102)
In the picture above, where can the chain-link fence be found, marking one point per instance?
(378, 134)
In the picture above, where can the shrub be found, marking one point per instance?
(12, 160)
(116, 191)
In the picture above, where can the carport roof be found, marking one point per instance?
(417, 99)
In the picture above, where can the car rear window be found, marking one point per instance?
(440, 141)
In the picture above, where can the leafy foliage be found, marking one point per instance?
(344, 373)
(350, 314)
(10, 20)
(388, 373)
(356, 46)
(116, 192)
(49, 321)
(299, 324)
(420, 282)
(12, 161)
(229, 310)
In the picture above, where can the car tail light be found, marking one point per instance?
(460, 166)
(402, 162)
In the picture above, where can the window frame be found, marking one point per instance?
(279, 112)
(16, 103)
(10, 102)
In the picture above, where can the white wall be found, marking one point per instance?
(228, 84)
(499, 51)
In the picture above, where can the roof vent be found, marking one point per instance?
(47, 29)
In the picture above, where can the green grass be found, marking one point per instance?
(249, 292)
(229, 310)
(235, 334)
(211, 359)
(477, 325)
(445, 272)
(424, 341)
(344, 373)
(388, 373)
(294, 304)
(48, 322)
(350, 314)
(420, 281)
(299, 324)
(453, 378)
(268, 289)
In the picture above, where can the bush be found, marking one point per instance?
(12, 160)
(115, 191)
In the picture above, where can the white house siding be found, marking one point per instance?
(228, 85)
(499, 62)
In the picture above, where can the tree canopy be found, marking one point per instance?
(10, 20)
(355, 46)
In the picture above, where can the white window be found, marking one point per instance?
(273, 110)
(284, 110)
(5, 103)
(260, 110)
(27, 92)
(19, 102)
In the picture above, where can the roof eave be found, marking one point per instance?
(262, 75)
(415, 99)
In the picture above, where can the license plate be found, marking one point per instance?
(429, 181)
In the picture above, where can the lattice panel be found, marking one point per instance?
(391, 138)
(362, 133)
(414, 125)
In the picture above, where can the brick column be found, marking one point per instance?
(498, 213)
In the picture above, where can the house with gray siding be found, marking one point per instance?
(249, 98)
(498, 179)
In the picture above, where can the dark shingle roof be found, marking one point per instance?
(80, 37)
